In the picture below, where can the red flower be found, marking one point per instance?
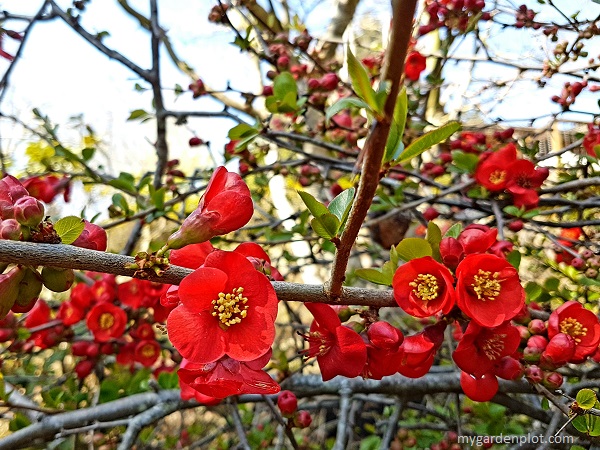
(70, 313)
(591, 141)
(384, 351)
(147, 352)
(481, 389)
(423, 287)
(559, 351)
(452, 252)
(257, 256)
(339, 350)
(191, 256)
(106, 321)
(419, 350)
(581, 324)
(225, 206)
(525, 178)
(488, 289)
(227, 308)
(493, 172)
(481, 348)
(477, 238)
(47, 187)
(415, 64)
(228, 376)
(92, 237)
(81, 295)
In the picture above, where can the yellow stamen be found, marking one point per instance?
(486, 286)
(497, 176)
(573, 327)
(106, 321)
(425, 287)
(493, 346)
(230, 308)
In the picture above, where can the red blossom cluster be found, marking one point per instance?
(503, 171)
(453, 14)
(591, 141)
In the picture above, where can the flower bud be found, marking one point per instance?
(92, 237)
(29, 211)
(452, 252)
(559, 351)
(302, 419)
(84, 368)
(30, 287)
(538, 342)
(10, 230)
(9, 289)
(384, 336)
(552, 380)
(56, 279)
(534, 374)
(287, 403)
(509, 369)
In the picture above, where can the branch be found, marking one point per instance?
(375, 146)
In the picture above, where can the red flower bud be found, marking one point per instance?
(452, 252)
(538, 342)
(552, 380)
(287, 403)
(329, 81)
(384, 336)
(84, 368)
(195, 141)
(92, 237)
(537, 326)
(559, 351)
(303, 419)
(509, 369)
(29, 211)
(534, 374)
(10, 230)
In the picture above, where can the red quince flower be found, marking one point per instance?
(147, 352)
(92, 237)
(591, 141)
(508, 368)
(419, 350)
(225, 206)
(257, 256)
(559, 351)
(525, 178)
(70, 313)
(81, 296)
(106, 321)
(191, 256)
(423, 287)
(480, 348)
(415, 64)
(384, 351)
(228, 376)
(488, 289)
(501, 248)
(227, 308)
(493, 172)
(477, 238)
(581, 324)
(481, 389)
(131, 293)
(452, 252)
(339, 349)
(47, 187)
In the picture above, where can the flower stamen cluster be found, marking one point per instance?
(425, 287)
(573, 327)
(485, 287)
(227, 307)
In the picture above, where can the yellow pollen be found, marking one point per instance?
(497, 176)
(573, 328)
(425, 287)
(493, 346)
(106, 321)
(148, 351)
(230, 308)
(486, 285)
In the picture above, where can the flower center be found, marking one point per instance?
(573, 327)
(106, 321)
(493, 346)
(497, 176)
(425, 286)
(485, 285)
(230, 308)
(319, 344)
(148, 351)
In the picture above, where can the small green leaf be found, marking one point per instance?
(344, 103)
(168, 380)
(533, 291)
(467, 162)
(361, 82)
(18, 422)
(88, 153)
(434, 237)
(243, 130)
(412, 248)
(454, 231)
(341, 204)
(158, 197)
(545, 404)
(530, 214)
(125, 182)
(314, 206)
(513, 210)
(394, 145)
(138, 114)
(514, 258)
(69, 228)
(429, 140)
(374, 276)
(551, 284)
(326, 225)
(586, 399)
(283, 85)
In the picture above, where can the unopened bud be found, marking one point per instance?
(58, 280)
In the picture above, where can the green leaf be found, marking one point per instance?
(341, 204)
(586, 399)
(374, 276)
(69, 228)
(284, 85)
(344, 103)
(533, 291)
(326, 225)
(394, 145)
(530, 214)
(428, 140)
(361, 82)
(454, 231)
(412, 248)
(551, 284)
(243, 130)
(314, 206)
(514, 258)
(125, 182)
(467, 162)
(588, 424)
(434, 237)
(109, 391)
(18, 422)
(513, 210)
(88, 153)
(158, 197)
(370, 443)
(545, 404)
(138, 114)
